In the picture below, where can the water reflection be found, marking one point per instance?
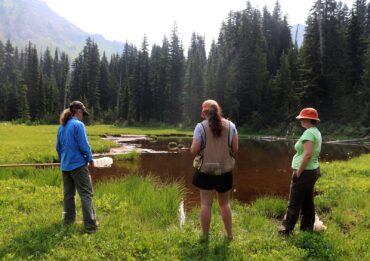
(262, 167)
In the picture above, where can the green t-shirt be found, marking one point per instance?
(314, 135)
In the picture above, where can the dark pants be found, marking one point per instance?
(301, 201)
(79, 179)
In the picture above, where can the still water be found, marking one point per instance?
(262, 167)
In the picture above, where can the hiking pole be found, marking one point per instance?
(29, 165)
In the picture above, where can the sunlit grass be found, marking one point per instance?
(139, 218)
(31, 144)
(130, 156)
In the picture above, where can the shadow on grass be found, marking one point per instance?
(36, 243)
(318, 247)
(205, 250)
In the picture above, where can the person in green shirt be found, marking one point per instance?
(306, 171)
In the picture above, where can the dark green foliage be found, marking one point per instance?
(31, 88)
(193, 92)
(174, 78)
(317, 246)
(253, 70)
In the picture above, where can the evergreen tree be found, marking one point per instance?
(22, 104)
(174, 74)
(92, 64)
(211, 90)
(103, 83)
(286, 97)
(357, 45)
(156, 83)
(194, 80)
(32, 78)
(277, 35)
(63, 90)
(3, 83)
(145, 104)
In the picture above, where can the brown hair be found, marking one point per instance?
(212, 110)
(66, 115)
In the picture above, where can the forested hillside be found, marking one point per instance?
(259, 76)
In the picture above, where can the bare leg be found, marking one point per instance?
(206, 198)
(224, 202)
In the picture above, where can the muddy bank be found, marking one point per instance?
(361, 141)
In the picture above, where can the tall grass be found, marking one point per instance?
(139, 217)
(139, 220)
(38, 176)
(130, 156)
(33, 144)
(151, 200)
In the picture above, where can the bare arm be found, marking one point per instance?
(195, 146)
(308, 150)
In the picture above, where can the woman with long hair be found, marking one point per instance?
(216, 141)
(75, 156)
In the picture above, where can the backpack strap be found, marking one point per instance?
(230, 133)
(230, 141)
(205, 135)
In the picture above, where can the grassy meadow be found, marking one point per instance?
(36, 144)
(139, 217)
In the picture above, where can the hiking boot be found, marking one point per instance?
(90, 230)
(284, 232)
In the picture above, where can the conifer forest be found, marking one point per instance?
(258, 74)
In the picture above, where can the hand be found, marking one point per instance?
(297, 174)
(91, 164)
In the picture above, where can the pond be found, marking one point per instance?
(262, 166)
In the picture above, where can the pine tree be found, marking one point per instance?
(357, 45)
(32, 78)
(63, 89)
(277, 35)
(3, 82)
(194, 80)
(23, 108)
(211, 90)
(103, 83)
(174, 74)
(156, 83)
(145, 104)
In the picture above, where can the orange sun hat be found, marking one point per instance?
(308, 113)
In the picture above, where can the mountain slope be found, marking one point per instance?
(297, 33)
(22, 21)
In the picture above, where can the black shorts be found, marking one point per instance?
(220, 183)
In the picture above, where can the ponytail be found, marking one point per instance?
(65, 116)
(215, 120)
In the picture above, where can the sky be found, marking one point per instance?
(129, 20)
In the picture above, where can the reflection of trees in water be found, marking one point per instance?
(129, 166)
(262, 167)
(259, 150)
(331, 152)
(266, 149)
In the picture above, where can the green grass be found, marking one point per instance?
(139, 218)
(34, 144)
(130, 156)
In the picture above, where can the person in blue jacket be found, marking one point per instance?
(75, 156)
